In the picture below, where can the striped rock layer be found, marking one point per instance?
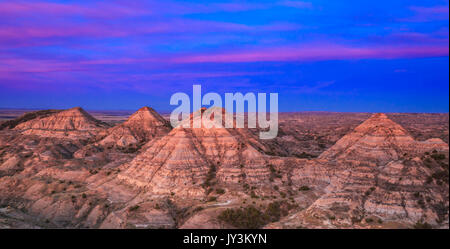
(71, 123)
(142, 126)
(187, 159)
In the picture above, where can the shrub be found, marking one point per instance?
(304, 188)
(272, 169)
(440, 176)
(421, 203)
(438, 156)
(420, 225)
(210, 176)
(305, 155)
(274, 211)
(220, 191)
(212, 198)
(251, 218)
(198, 209)
(244, 218)
(133, 208)
(274, 173)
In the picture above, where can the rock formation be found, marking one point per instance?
(379, 139)
(187, 159)
(66, 169)
(71, 123)
(376, 174)
(141, 127)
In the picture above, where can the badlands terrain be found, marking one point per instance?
(74, 169)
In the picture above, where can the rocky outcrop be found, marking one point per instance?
(188, 159)
(141, 127)
(10, 124)
(380, 140)
(377, 174)
(71, 123)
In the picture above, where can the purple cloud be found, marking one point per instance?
(319, 53)
(97, 10)
(427, 14)
(297, 4)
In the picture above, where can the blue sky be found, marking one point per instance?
(361, 56)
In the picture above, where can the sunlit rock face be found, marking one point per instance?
(67, 169)
(380, 140)
(72, 123)
(186, 158)
(379, 173)
(142, 126)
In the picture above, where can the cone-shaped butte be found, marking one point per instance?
(71, 123)
(188, 160)
(142, 126)
(379, 139)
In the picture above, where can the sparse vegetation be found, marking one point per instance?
(369, 220)
(133, 208)
(305, 155)
(304, 188)
(246, 218)
(198, 209)
(274, 173)
(438, 157)
(210, 176)
(420, 225)
(250, 217)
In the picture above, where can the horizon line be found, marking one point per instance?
(168, 112)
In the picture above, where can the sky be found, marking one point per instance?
(318, 55)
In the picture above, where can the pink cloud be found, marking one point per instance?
(19, 35)
(99, 10)
(319, 53)
(37, 65)
(305, 53)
